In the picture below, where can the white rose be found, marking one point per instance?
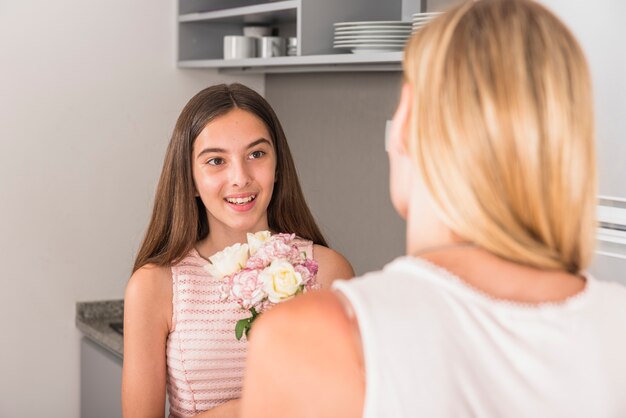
(280, 281)
(228, 261)
(256, 241)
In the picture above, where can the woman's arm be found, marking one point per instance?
(304, 361)
(147, 321)
(332, 265)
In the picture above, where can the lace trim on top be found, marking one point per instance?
(458, 283)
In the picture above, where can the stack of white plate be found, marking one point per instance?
(420, 19)
(367, 37)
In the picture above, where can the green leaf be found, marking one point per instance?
(242, 325)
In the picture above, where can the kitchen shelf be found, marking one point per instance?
(258, 13)
(382, 61)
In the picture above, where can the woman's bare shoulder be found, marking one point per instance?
(314, 340)
(150, 278)
(149, 292)
(332, 265)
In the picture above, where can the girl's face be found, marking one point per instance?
(234, 167)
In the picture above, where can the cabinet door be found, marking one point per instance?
(100, 382)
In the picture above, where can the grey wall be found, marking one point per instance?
(335, 124)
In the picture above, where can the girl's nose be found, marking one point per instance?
(240, 175)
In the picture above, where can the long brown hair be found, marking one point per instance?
(179, 217)
(503, 131)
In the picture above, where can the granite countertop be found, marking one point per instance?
(94, 319)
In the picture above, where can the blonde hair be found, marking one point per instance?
(502, 131)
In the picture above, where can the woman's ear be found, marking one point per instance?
(401, 167)
(401, 123)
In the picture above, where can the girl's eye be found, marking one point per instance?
(257, 154)
(216, 161)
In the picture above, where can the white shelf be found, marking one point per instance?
(241, 13)
(389, 61)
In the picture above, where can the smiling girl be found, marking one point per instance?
(228, 171)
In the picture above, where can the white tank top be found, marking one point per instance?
(435, 347)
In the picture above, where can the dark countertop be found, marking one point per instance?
(94, 319)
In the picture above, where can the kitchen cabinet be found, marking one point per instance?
(101, 375)
(100, 381)
(202, 24)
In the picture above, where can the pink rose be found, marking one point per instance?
(284, 238)
(304, 272)
(308, 275)
(275, 249)
(311, 265)
(312, 285)
(264, 306)
(258, 262)
(247, 289)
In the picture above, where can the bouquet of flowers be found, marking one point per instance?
(269, 269)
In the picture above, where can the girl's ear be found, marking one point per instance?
(401, 123)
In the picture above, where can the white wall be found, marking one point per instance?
(89, 93)
(599, 27)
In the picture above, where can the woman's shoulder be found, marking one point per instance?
(332, 265)
(149, 290)
(317, 319)
(150, 277)
(306, 307)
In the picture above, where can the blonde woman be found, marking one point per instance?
(491, 312)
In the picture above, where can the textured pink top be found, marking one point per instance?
(205, 362)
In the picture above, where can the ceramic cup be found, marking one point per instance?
(271, 46)
(292, 46)
(239, 47)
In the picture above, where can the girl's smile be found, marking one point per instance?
(241, 202)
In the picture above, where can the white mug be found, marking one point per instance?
(272, 46)
(292, 46)
(239, 47)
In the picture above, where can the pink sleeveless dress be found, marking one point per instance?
(205, 362)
